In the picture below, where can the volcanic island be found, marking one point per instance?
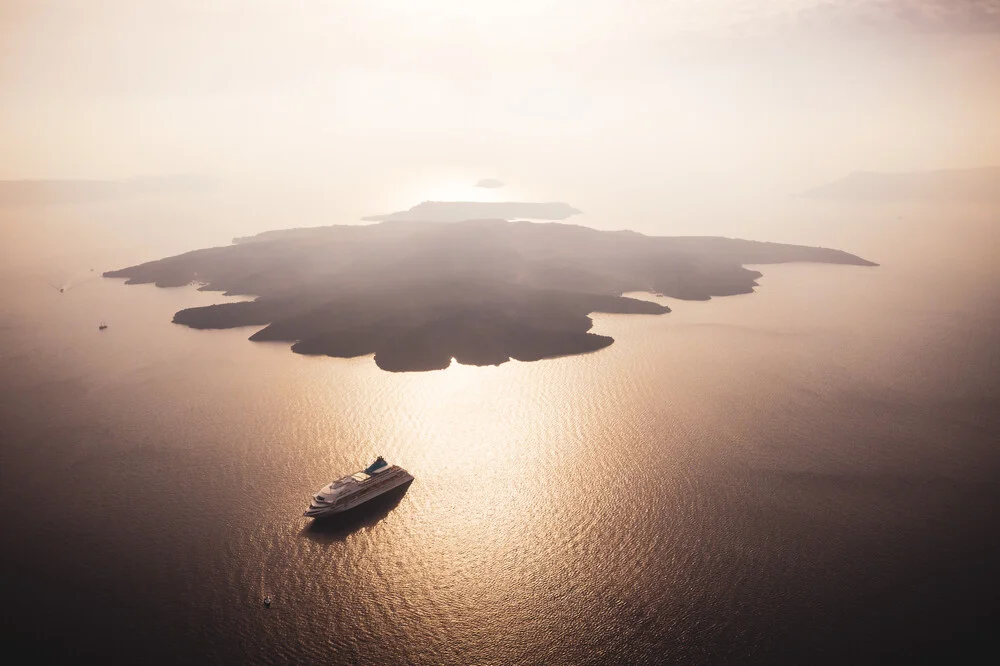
(418, 294)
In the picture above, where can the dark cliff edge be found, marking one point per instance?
(417, 294)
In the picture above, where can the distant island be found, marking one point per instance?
(968, 185)
(17, 193)
(417, 294)
(457, 211)
(489, 183)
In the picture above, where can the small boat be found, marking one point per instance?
(267, 602)
(102, 326)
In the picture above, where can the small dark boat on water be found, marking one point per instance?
(102, 326)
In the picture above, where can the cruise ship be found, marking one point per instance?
(355, 489)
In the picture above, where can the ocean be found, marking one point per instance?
(806, 474)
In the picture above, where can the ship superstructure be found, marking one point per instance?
(355, 489)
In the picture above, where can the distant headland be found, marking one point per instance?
(18, 193)
(418, 294)
(457, 211)
(955, 185)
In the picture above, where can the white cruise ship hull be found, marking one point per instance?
(361, 497)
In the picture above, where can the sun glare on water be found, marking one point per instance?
(454, 188)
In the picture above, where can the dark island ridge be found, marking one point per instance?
(417, 294)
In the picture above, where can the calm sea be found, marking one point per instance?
(805, 474)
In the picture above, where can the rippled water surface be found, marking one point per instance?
(808, 472)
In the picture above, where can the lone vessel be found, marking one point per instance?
(355, 489)
(102, 326)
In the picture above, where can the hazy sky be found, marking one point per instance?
(784, 93)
